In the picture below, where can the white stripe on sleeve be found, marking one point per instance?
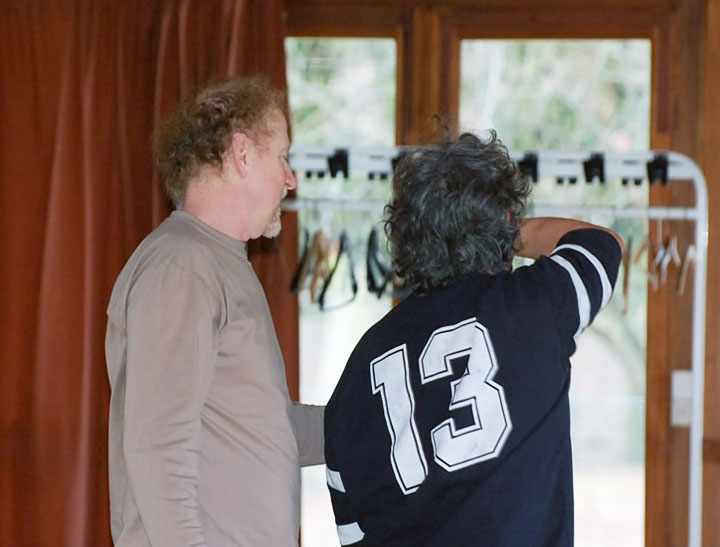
(350, 533)
(582, 296)
(604, 279)
(334, 480)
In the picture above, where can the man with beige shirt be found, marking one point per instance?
(204, 442)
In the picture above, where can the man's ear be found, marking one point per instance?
(240, 147)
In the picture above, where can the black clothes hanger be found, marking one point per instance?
(384, 281)
(373, 264)
(344, 249)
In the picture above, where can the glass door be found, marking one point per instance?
(589, 95)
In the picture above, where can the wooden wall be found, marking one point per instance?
(685, 117)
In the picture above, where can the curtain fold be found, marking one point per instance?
(84, 84)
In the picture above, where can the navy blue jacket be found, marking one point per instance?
(450, 424)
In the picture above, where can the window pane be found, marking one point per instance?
(342, 90)
(584, 95)
(342, 93)
(558, 94)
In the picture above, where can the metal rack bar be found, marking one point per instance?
(536, 209)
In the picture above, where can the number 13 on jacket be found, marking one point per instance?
(453, 448)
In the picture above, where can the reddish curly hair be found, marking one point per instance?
(197, 133)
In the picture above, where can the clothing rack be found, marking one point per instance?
(568, 169)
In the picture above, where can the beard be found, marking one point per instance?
(273, 227)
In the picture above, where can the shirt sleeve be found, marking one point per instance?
(308, 425)
(171, 349)
(584, 266)
(346, 517)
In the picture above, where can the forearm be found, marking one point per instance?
(164, 487)
(170, 351)
(161, 446)
(308, 425)
(539, 236)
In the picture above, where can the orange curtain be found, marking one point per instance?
(83, 84)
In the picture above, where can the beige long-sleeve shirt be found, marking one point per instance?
(204, 443)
